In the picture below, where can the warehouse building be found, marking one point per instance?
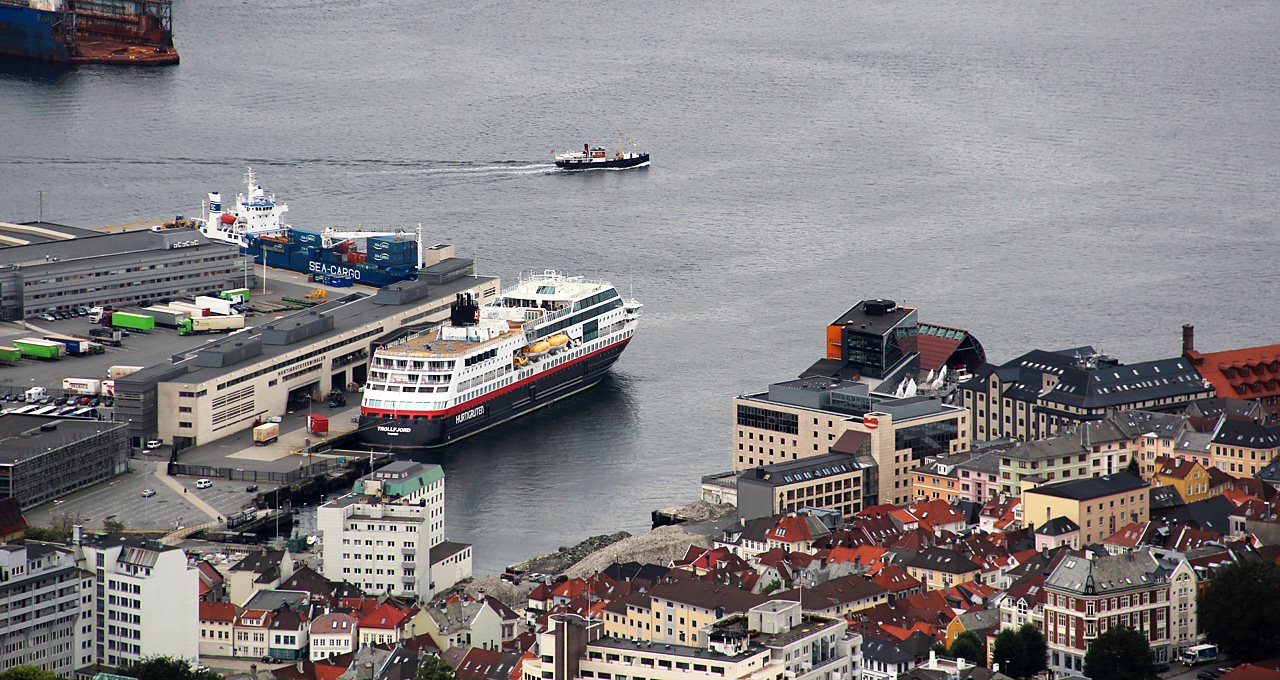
(44, 458)
(49, 268)
(249, 375)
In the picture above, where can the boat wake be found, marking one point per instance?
(493, 170)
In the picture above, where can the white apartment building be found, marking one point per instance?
(45, 620)
(380, 536)
(333, 634)
(146, 599)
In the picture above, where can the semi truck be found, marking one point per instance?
(139, 322)
(107, 336)
(96, 314)
(41, 349)
(74, 345)
(166, 316)
(265, 434)
(215, 305)
(121, 371)
(86, 386)
(211, 324)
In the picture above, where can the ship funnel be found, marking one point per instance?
(215, 202)
(465, 311)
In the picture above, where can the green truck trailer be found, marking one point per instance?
(41, 349)
(239, 296)
(10, 355)
(139, 322)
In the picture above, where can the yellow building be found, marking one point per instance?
(939, 568)
(673, 613)
(1187, 476)
(1098, 505)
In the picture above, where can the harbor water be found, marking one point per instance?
(1042, 174)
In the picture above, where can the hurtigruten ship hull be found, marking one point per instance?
(545, 339)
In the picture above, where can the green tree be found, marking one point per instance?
(113, 526)
(1020, 653)
(165, 668)
(1120, 653)
(434, 668)
(1240, 609)
(771, 586)
(1008, 653)
(1134, 469)
(1035, 650)
(28, 673)
(968, 646)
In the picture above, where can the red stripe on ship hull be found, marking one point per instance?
(488, 395)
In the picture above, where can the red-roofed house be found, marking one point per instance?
(212, 584)
(866, 555)
(1262, 670)
(217, 628)
(939, 515)
(251, 633)
(385, 625)
(897, 581)
(796, 533)
(333, 634)
(1128, 538)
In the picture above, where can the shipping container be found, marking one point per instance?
(74, 345)
(166, 316)
(265, 434)
(135, 321)
(317, 423)
(41, 349)
(121, 371)
(86, 386)
(238, 295)
(215, 305)
(192, 310)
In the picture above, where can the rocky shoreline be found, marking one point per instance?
(567, 556)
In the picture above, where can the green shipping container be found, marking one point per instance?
(38, 348)
(137, 321)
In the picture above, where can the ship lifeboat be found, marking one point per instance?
(519, 362)
(228, 218)
(538, 348)
(558, 342)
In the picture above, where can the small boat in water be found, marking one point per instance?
(593, 158)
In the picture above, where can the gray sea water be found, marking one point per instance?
(1042, 173)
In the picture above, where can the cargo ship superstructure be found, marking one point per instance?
(135, 32)
(256, 224)
(544, 339)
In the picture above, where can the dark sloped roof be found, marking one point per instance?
(1091, 487)
(944, 560)
(11, 518)
(885, 651)
(1057, 527)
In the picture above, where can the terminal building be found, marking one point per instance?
(226, 385)
(850, 412)
(45, 458)
(48, 268)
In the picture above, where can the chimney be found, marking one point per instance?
(77, 533)
(1188, 338)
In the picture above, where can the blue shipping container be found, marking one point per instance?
(306, 237)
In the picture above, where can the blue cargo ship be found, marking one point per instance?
(257, 225)
(138, 32)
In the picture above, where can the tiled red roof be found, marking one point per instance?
(385, 616)
(895, 579)
(217, 611)
(1247, 373)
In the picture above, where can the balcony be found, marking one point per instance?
(408, 553)
(408, 580)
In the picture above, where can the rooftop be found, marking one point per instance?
(674, 650)
(23, 437)
(240, 350)
(83, 244)
(799, 471)
(877, 317)
(1091, 487)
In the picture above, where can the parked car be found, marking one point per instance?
(83, 401)
(93, 401)
(154, 444)
(47, 317)
(251, 488)
(204, 483)
(148, 493)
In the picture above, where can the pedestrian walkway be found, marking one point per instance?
(191, 498)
